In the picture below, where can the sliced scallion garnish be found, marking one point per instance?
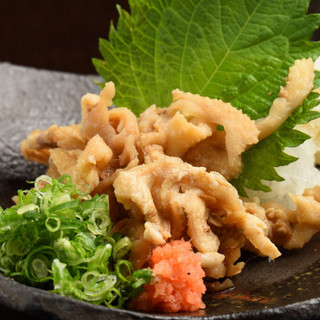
(58, 237)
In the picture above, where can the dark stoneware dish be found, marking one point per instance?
(287, 288)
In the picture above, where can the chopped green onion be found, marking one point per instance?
(121, 248)
(64, 206)
(37, 264)
(53, 224)
(28, 207)
(57, 237)
(40, 268)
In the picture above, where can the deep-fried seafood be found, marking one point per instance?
(299, 84)
(291, 229)
(38, 143)
(193, 125)
(92, 151)
(172, 198)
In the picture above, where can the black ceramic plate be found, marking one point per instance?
(288, 288)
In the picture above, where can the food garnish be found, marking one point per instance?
(177, 284)
(58, 238)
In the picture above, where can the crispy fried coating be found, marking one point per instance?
(172, 198)
(291, 229)
(92, 151)
(83, 166)
(299, 84)
(199, 129)
(38, 143)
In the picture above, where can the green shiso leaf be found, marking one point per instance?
(238, 51)
(58, 238)
(261, 159)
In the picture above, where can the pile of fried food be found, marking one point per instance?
(167, 171)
